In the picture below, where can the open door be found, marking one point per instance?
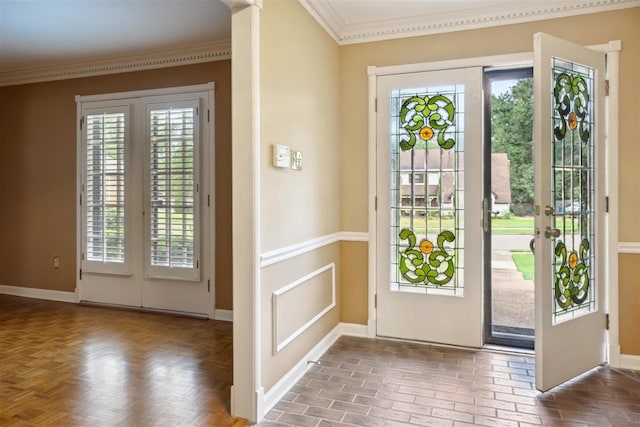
(569, 192)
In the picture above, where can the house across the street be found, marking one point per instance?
(427, 180)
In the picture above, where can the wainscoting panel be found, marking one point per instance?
(301, 303)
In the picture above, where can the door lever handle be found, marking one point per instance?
(551, 232)
(532, 245)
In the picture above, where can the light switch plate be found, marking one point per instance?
(281, 156)
(296, 160)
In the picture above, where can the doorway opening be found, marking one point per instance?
(509, 208)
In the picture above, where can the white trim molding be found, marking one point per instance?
(629, 247)
(223, 315)
(277, 392)
(47, 294)
(278, 255)
(281, 342)
(630, 361)
(344, 33)
(194, 54)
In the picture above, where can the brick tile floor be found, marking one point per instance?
(376, 382)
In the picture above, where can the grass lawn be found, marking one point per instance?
(524, 263)
(513, 225)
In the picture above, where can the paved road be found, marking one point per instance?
(510, 241)
(505, 242)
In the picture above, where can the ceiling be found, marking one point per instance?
(45, 33)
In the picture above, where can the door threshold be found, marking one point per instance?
(508, 349)
(144, 309)
(493, 348)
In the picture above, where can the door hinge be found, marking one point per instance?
(208, 115)
(197, 111)
(198, 264)
(80, 274)
(375, 301)
(208, 199)
(81, 122)
(606, 321)
(375, 203)
(606, 204)
(80, 199)
(208, 285)
(82, 256)
(376, 107)
(606, 87)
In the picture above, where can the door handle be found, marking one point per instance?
(551, 232)
(532, 245)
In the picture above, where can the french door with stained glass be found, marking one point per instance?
(569, 160)
(429, 206)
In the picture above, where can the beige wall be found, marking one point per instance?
(300, 96)
(585, 30)
(38, 172)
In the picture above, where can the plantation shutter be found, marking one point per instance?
(104, 182)
(172, 191)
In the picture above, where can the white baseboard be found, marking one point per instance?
(614, 356)
(47, 294)
(254, 412)
(281, 388)
(354, 330)
(629, 361)
(224, 315)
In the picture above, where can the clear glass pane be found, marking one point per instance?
(511, 205)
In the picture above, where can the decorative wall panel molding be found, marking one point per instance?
(289, 322)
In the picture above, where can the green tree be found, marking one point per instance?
(511, 133)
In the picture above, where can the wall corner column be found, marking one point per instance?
(247, 394)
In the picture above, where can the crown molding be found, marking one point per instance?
(241, 4)
(193, 54)
(326, 17)
(421, 25)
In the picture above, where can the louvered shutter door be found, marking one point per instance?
(104, 185)
(172, 174)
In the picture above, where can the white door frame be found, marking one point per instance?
(516, 60)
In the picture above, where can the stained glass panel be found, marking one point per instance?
(573, 189)
(427, 191)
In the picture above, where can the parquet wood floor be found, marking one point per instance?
(69, 365)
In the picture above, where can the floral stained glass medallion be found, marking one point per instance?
(573, 169)
(427, 190)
